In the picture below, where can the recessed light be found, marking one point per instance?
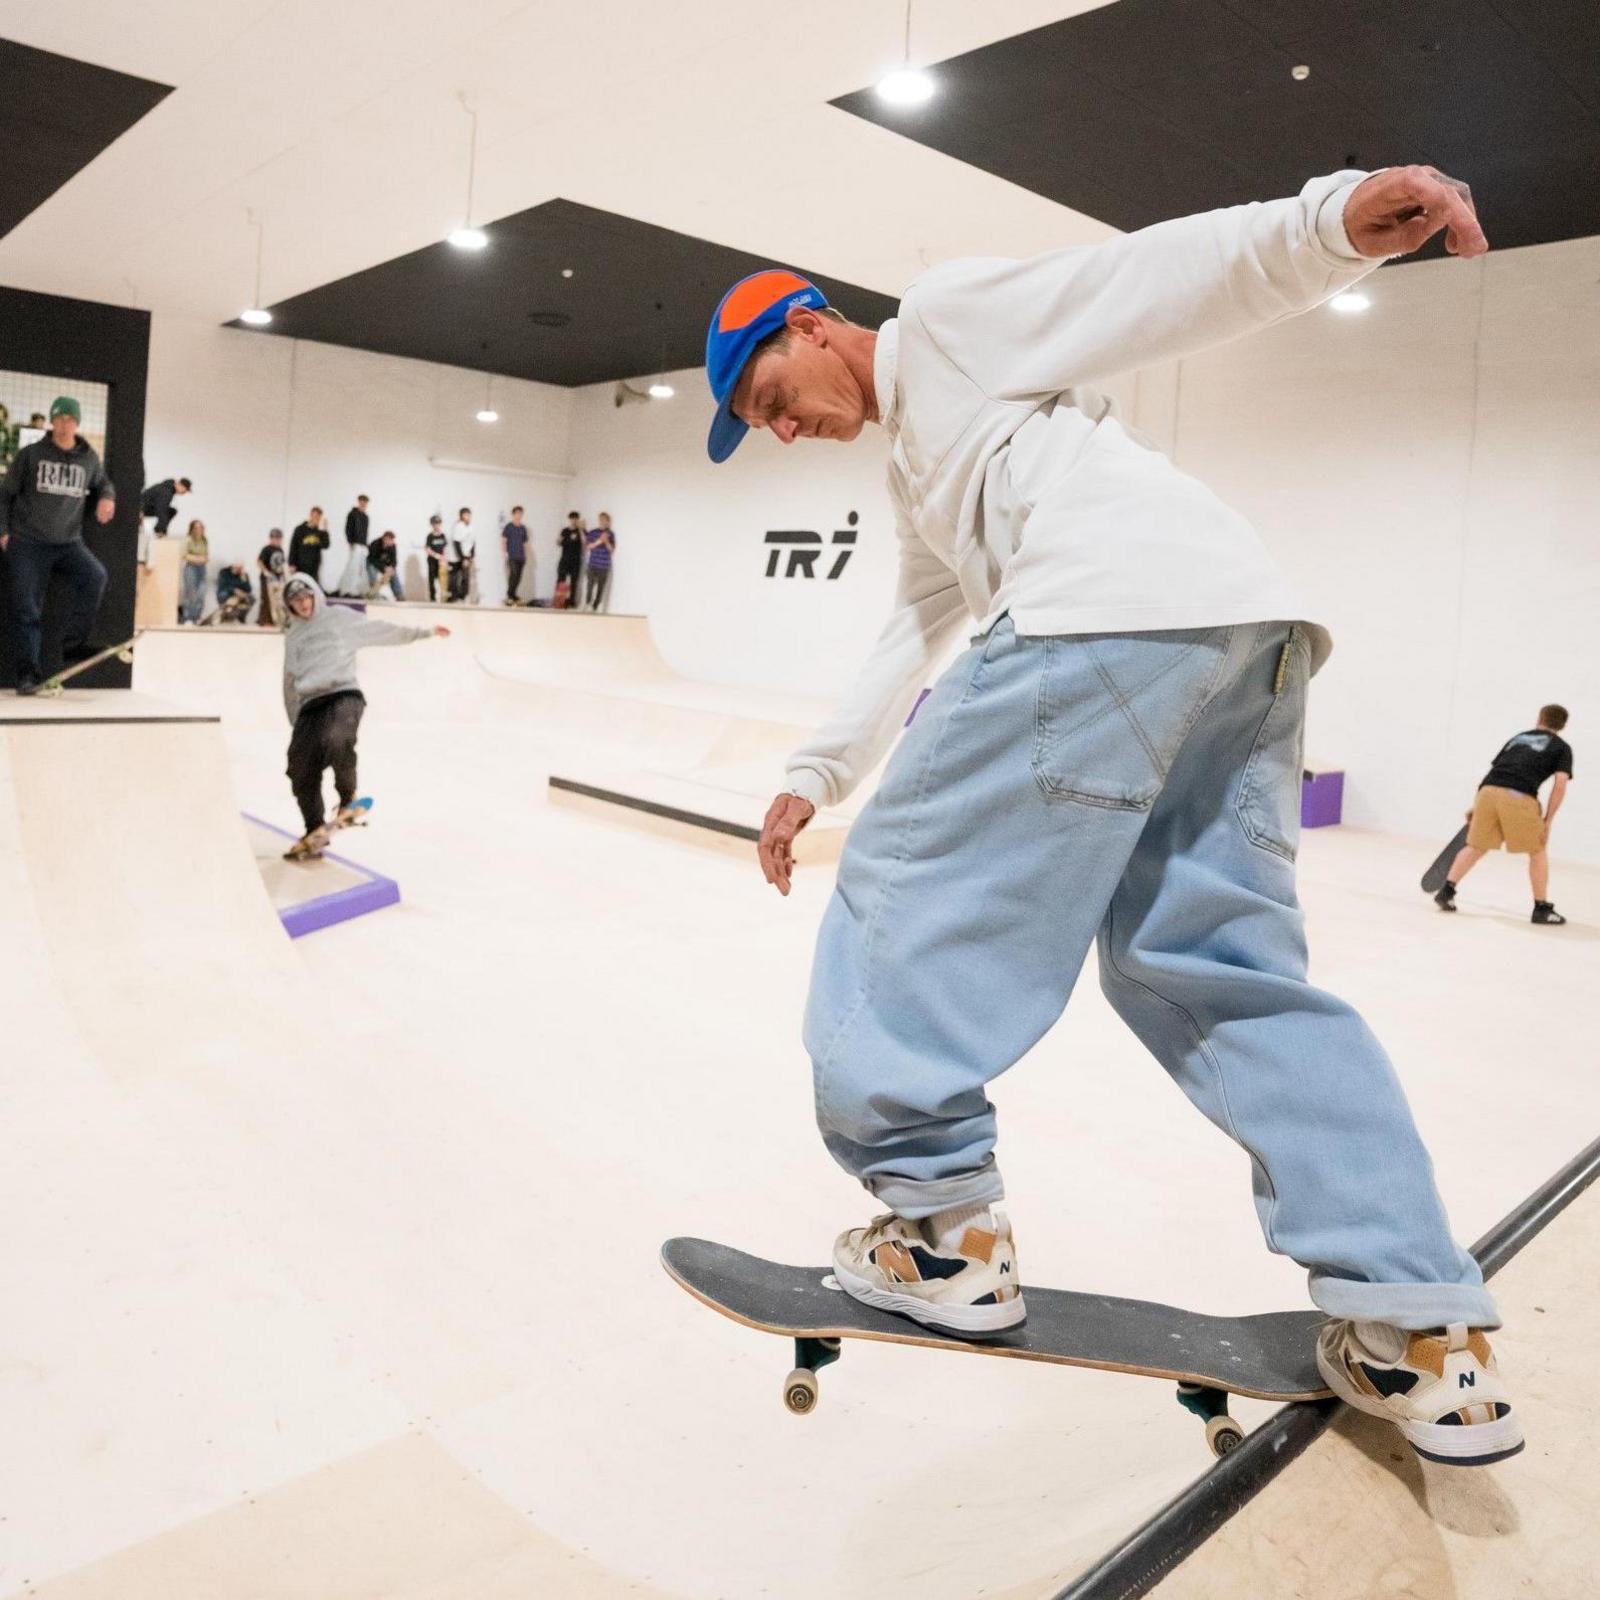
(905, 86)
(1300, 73)
(566, 272)
(1350, 301)
(469, 239)
(256, 317)
(662, 391)
(486, 415)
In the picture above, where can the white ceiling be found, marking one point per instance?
(339, 122)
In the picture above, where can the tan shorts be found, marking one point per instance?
(1506, 817)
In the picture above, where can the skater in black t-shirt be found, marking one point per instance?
(437, 546)
(1506, 810)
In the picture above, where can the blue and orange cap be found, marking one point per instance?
(746, 314)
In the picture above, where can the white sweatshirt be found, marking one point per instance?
(1016, 488)
(466, 540)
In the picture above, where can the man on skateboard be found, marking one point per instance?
(1506, 810)
(43, 498)
(1117, 757)
(324, 700)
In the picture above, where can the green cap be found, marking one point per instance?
(65, 406)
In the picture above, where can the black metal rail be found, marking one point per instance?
(1136, 1565)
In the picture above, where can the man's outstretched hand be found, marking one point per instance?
(786, 816)
(1395, 212)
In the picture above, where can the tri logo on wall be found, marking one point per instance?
(805, 547)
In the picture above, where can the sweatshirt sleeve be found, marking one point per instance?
(850, 744)
(365, 631)
(1021, 329)
(291, 697)
(100, 484)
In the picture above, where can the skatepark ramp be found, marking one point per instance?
(622, 732)
(1311, 1535)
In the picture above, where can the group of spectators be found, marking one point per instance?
(371, 569)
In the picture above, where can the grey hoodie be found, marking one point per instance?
(319, 652)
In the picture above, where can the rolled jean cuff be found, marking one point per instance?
(1410, 1306)
(915, 1198)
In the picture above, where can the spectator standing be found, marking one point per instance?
(465, 549)
(158, 501)
(196, 556)
(569, 565)
(438, 548)
(356, 526)
(601, 544)
(308, 542)
(383, 567)
(514, 547)
(270, 564)
(42, 500)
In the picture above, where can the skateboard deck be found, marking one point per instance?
(1433, 879)
(1266, 1356)
(361, 806)
(56, 682)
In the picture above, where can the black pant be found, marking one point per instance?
(571, 571)
(29, 564)
(325, 736)
(514, 566)
(436, 579)
(598, 577)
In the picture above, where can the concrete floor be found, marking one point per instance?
(337, 1268)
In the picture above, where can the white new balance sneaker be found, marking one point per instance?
(972, 1291)
(1442, 1390)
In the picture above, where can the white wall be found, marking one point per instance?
(1430, 469)
(690, 539)
(266, 427)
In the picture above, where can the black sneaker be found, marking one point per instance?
(1543, 911)
(27, 686)
(1446, 897)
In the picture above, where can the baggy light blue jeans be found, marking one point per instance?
(1143, 790)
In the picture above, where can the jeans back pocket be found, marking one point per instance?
(1113, 710)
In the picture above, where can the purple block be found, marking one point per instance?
(1321, 799)
(307, 916)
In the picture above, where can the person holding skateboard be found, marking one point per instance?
(43, 497)
(324, 700)
(1506, 810)
(1117, 758)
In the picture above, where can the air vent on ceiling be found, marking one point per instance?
(549, 319)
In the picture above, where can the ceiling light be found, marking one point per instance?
(662, 391)
(253, 315)
(469, 239)
(905, 86)
(566, 272)
(256, 317)
(1300, 73)
(1351, 300)
(486, 415)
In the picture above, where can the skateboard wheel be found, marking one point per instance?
(800, 1391)
(1223, 1434)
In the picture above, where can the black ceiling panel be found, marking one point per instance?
(1149, 109)
(56, 116)
(637, 302)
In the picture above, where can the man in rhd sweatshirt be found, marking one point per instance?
(1115, 758)
(42, 502)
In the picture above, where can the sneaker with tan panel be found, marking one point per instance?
(968, 1287)
(1442, 1390)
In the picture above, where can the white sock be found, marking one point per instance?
(944, 1230)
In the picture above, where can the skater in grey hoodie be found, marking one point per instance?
(324, 700)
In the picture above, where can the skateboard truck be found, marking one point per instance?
(1211, 1406)
(810, 1357)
